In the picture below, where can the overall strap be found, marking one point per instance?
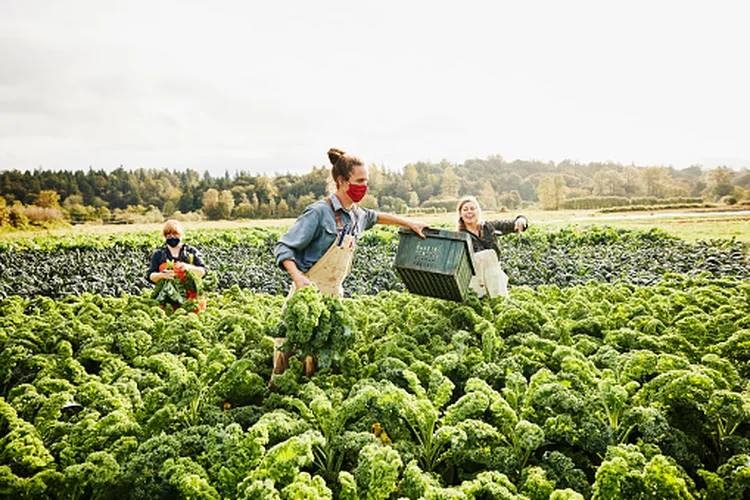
(339, 225)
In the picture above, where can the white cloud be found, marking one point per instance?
(270, 87)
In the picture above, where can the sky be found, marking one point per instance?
(268, 87)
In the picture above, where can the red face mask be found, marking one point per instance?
(356, 192)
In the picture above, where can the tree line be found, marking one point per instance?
(124, 194)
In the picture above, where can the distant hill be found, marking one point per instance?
(422, 185)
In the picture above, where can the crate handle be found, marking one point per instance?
(425, 230)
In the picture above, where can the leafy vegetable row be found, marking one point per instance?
(252, 236)
(597, 391)
(563, 258)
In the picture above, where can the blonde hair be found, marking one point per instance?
(460, 225)
(172, 227)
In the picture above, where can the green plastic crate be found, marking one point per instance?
(438, 266)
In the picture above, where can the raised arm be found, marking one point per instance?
(506, 226)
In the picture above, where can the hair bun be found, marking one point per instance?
(334, 154)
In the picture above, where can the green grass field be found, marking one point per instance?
(691, 225)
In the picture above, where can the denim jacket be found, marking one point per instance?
(313, 233)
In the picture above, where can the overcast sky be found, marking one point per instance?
(270, 86)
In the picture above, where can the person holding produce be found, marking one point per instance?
(177, 259)
(182, 256)
(319, 247)
(489, 279)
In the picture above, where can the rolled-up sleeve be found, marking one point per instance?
(369, 218)
(298, 237)
(507, 226)
(503, 226)
(156, 259)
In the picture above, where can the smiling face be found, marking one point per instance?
(469, 212)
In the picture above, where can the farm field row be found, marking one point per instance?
(115, 264)
(593, 391)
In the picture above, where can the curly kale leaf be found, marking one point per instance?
(317, 325)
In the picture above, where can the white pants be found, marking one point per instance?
(489, 278)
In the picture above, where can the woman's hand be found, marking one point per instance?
(414, 225)
(521, 224)
(161, 275)
(200, 271)
(417, 227)
(301, 281)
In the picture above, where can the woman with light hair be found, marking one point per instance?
(181, 255)
(489, 278)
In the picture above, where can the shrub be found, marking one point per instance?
(138, 214)
(188, 217)
(449, 205)
(42, 215)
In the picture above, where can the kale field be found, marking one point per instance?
(618, 368)
(116, 264)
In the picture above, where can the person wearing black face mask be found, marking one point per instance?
(183, 256)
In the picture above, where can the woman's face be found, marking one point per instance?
(359, 175)
(171, 237)
(469, 212)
